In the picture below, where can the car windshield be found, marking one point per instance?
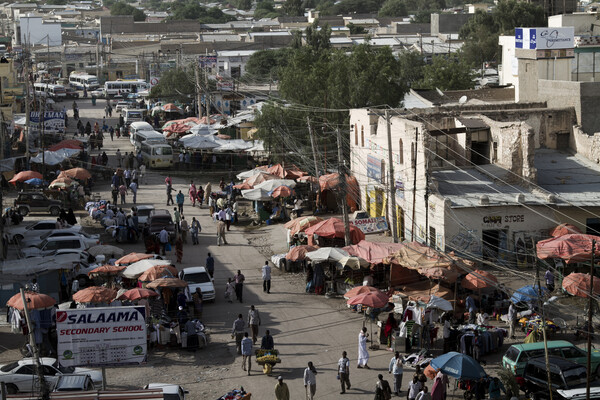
(575, 376)
(144, 212)
(9, 367)
(200, 277)
(163, 151)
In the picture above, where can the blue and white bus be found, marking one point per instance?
(80, 80)
(125, 86)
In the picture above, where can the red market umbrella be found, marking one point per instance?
(578, 284)
(479, 279)
(333, 228)
(281, 191)
(132, 258)
(67, 144)
(374, 299)
(95, 294)
(355, 291)
(571, 248)
(137, 294)
(107, 270)
(170, 107)
(158, 271)
(34, 301)
(564, 229)
(77, 173)
(25, 176)
(298, 253)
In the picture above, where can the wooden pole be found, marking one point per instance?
(541, 305)
(414, 167)
(391, 179)
(344, 193)
(36, 354)
(589, 329)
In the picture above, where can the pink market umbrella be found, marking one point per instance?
(281, 191)
(374, 299)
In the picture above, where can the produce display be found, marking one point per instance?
(269, 358)
(263, 352)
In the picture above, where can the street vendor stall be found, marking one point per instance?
(268, 359)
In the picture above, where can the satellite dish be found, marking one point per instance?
(439, 92)
(462, 100)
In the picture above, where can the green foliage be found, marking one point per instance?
(293, 8)
(265, 9)
(57, 2)
(175, 84)
(510, 14)
(356, 29)
(411, 65)
(447, 73)
(393, 8)
(121, 8)
(265, 64)
(243, 4)
(191, 9)
(421, 17)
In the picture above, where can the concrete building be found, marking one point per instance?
(447, 23)
(35, 32)
(483, 180)
(11, 91)
(232, 64)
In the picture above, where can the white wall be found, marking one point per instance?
(509, 68)
(36, 33)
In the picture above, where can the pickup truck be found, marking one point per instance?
(159, 219)
(28, 202)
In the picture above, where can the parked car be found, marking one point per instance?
(121, 105)
(569, 379)
(170, 391)
(90, 240)
(71, 93)
(27, 202)
(199, 277)
(159, 219)
(517, 355)
(98, 93)
(20, 376)
(51, 245)
(74, 383)
(143, 212)
(35, 230)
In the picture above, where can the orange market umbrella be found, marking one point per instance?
(259, 178)
(137, 294)
(298, 253)
(359, 290)
(479, 279)
(578, 284)
(301, 224)
(158, 271)
(34, 301)
(132, 257)
(374, 299)
(167, 282)
(281, 191)
(242, 186)
(170, 107)
(95, 294)
(107, 270)
(25, 176)
(77, 173)
(564, 229)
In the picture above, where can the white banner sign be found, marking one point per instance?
(545, 38)
(101, 336)
(371, 225)
(54, 121)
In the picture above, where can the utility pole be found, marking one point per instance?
(97, 60)
(414, 168)
(541, 306)
(43, 131)
(198, 95)
(27, 110)
(207, 94)
(36, 354)
(589, 329)
(391, 179)
(343, 188)
(314, 151)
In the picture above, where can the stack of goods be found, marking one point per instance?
(236, 394)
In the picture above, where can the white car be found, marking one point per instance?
(17, 233)
(121, 105)
(98, 93)
(20, 376)
(143, 212)
(90, 240)
(50, 245)
(170, 391)
(199, 277)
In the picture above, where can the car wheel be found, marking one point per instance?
(54, 211)
(23, 211)
(11, 389)
(17, 239)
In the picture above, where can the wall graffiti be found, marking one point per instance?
(466, 241)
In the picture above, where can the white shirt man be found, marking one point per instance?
(266, 276)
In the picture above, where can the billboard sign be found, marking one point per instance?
(373, 168)
(54, 121)
(371, 225)
(225, 86)
(101, 336)
(207, 61)
(545, 38)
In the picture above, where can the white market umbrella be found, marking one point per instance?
(138, 268)
(439, 303)
(248, 174)
(256, 194)
(274, 183)
(327, 254)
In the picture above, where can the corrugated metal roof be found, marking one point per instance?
(142, 394)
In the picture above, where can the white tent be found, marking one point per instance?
(327, 254)
(54, 157)
(257, 145)
(204, 130)
(233, 145)
(196, 141)
(138, 268)
(274, 183)
(247, 174)
(256, 194)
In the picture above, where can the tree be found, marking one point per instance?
(243, 4)
(356, 29)
(510, 14)
(265, 64)
(411, 65)
(447, 73)
(265, 9)
(176, 84)
(191, 9)
(120, 8)
(293, 8)
(393, 8)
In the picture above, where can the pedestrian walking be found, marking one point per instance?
(177, 217)
(111, 132)
(423, 394)
(266, 342)
(396, 368)
(168, 180)
(210, 264)
(179, 248)
(441, 384)
(163, 238)
(127, 176)
(363, 354)
(197, 300)
(512, 320)
(228, 216)
(266, 276)
(239, 279)
(471, 308)
(383, 390)
(195, 230)
(118, 154)
(549, 277)
(122, 193)
(310, 381)
(184, 229)
(142, 174)
(211, 205)
(281, 389)
(246, 353)
(221, 233)
(344, 372)
(414, 387)
(134, 188)
(238, 332)
(180, 198)
(192, 193)
(234, 208)
(253, 322)
(170, 195)
(115, 194)
(229, 289)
